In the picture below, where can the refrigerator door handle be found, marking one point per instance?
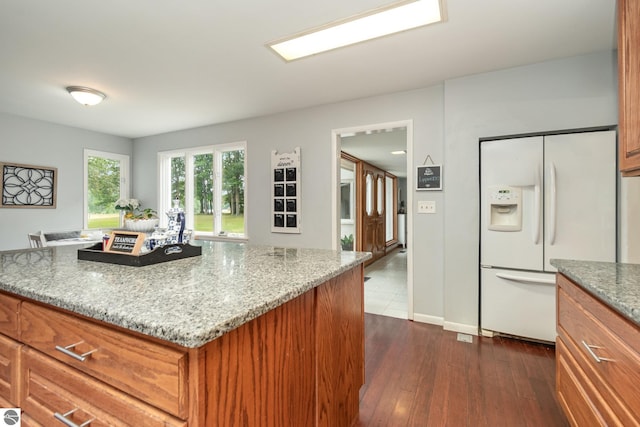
(523, 279)
(537, 206)
(553, 208)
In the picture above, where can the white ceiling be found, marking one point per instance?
(376, 147)
(167, 65)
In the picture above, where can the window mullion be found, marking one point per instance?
(189, 186)
(217, 194)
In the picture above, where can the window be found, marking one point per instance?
(347, 193)
(106, 179)
(209, 182)
(390, 207)
(369, 194)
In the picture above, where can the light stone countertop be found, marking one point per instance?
(615, 284)
(189, 301)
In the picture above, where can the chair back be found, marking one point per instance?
(36, 240)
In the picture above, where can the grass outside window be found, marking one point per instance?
(230, 223)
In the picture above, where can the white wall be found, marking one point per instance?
(34, 142)
(447, 121)
(311, 129)
(564, 94)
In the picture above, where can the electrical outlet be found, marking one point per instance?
(427, 206)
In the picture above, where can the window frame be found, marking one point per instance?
(164, 181)
(125, 187)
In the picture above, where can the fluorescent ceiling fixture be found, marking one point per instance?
(86, 95)
(380, 22)
(399, 152)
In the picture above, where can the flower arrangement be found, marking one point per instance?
(133, 209)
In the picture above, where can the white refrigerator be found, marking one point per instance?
(541, 197)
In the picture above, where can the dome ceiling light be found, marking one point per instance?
(86, 95)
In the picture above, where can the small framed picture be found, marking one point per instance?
(278, 220)
(278, 175)
(292, 205)
(278, 205)
(292, 220)
(429, 177)
(290, 174)
(278, 190)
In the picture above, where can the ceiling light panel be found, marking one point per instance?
(396, 18)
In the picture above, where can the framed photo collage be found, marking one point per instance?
(285, 192)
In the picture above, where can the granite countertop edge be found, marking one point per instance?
(187, 334)
(615, 284)
(183, 338)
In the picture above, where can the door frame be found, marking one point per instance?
(335, 199)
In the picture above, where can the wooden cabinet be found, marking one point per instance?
(52, 390)
(629, 86)
(9, 372)
(9, 308)
(300, 364)
(9, 351)
(340, 349)
(598, 360)
(151, 372)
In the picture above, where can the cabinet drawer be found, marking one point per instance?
(9, 371)
(588, 405)
(618, 369)
(151, 372)
(575, 391)
(9, 308)
(50, 387)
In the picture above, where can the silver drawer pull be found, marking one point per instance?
(68, 351)
(63, 419)
(597, 358)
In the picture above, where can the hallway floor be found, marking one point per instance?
(385, 286)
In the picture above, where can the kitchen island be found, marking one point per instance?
(242, 335)
(598, 345)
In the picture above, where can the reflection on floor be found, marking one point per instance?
(385, 286)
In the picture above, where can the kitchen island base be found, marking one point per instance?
(299, 364)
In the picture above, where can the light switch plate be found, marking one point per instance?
(427, 206)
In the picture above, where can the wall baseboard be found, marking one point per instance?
(447, 326)
(425, 318)
(460, 327)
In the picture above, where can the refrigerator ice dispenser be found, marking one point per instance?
(505, 208)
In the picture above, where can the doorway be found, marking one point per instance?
(388, 280)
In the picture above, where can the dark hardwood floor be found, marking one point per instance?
(420, 375)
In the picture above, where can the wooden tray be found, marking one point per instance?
(156, 256)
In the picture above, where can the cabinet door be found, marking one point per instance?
(9, 369)
(629, 86)
(9, 308)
